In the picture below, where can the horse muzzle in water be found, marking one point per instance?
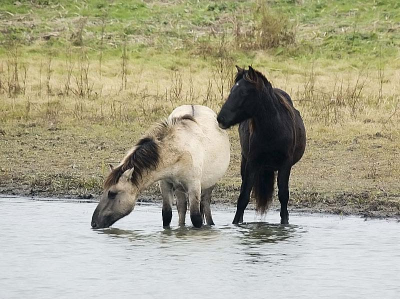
(101, 224)
(100, 221)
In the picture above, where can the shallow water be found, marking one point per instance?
(48, 250)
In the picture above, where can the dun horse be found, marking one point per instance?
(188, 153)
(272, 138)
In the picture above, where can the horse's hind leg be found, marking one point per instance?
(181, 205)
(205, 205)
(194, 193)
(167, 193)
(283, 191)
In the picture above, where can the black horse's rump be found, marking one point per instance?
(272, 138)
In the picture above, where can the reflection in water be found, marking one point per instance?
(251, 234)
(131, 235)
(257, 233)
(256, 239)
(55, 254)
(186, 232)
(254, 246)
(179, 234)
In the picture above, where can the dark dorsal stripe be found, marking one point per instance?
(184, 117)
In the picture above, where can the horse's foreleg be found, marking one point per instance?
(194, 206)
(181, 205)
(206, 205)
(283, 191)
(168, 196)
(247, 172)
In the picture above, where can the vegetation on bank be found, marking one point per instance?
(80, 81)
(301, 29)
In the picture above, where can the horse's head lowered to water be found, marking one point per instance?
(116, 202)
(187, 153)
(121, 188)
(242, 100)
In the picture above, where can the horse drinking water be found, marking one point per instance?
(188, 153)
(272, 138)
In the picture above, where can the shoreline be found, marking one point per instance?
(376, 209)
(335, 177)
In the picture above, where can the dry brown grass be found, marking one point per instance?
(70, 119)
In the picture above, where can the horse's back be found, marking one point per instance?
(284, 94)
(300, 128)
(194, 111)
(212, 151)
(246, 127)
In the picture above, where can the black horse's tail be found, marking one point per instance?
(263, 190)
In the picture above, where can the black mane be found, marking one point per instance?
(146, 155)
(244, 75)
(276, 94)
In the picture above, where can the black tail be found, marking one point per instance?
(263, 190)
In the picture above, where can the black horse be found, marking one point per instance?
(272, 137)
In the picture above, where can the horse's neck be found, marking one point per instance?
(152, 176)
(266, 116)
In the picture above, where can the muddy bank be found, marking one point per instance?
(60, 161)
(380, 205)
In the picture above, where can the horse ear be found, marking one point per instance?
(128, 173)
(111, 167)
(239, 69)
(252, 74)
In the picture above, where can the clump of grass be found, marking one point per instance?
(77, 35)
(84, 87)
(330, 103)
(12, 76)
(223, 70)
(269, 30)
(69, 66)
(49, 72)
(174, 94)
(124, 64)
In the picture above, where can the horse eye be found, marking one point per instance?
(112, 195)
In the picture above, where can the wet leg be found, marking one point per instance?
(283, 191)
(167, 196)
(181, 205)
(206, 205)
(194, 206)
(247, 171)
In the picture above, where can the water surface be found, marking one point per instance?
(48, 250)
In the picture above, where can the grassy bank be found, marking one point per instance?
(81, 81)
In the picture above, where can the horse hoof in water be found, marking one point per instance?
(197, 220)
(284, 221)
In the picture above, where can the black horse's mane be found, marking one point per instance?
(261, 82)
(146, 153)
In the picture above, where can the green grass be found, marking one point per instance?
(329, 30)
(343, 29)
